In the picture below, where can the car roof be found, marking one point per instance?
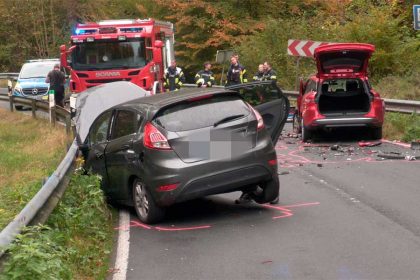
(161, 100)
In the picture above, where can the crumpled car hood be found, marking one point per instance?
(92, 102)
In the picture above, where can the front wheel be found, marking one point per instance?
(146, 208)
(306, 133)
(296, 124)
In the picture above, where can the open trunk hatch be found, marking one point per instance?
(345, 59)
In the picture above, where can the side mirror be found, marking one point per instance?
(84, 147)
(158, 44)
(157, 52)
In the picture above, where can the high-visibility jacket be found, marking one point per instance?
(204, 77)
(236, 75)
(174, 78)
(259, 76)
(270, 75)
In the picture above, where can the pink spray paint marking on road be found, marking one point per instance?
(285, 213)
(159, 228)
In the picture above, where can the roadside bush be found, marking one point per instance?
(402, 127)
(74, 244)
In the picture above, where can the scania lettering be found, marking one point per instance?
(119, 50)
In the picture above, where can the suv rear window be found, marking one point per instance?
(200, 113)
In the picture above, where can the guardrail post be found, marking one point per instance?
(12, 107)
(33, 108)
(53, 115)
(68, 124)
(51, 106)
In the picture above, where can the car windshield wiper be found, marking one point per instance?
(230, 118)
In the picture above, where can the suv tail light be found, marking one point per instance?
(153, 139)
(260, 120)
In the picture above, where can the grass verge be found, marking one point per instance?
(75, 243)
(403, 127)
(29, 151)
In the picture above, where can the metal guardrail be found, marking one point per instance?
(57, 113)
(391, 105)
(8, 75)
(43, 203)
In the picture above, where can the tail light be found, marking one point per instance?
(153, 139)
(167, 188)
(260, 120)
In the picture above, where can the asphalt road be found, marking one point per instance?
(343, 214)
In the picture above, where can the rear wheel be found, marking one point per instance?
(296, 124)
(270, 191)
(377, 133)
(146, 208)
(18, 107)
(306, 133)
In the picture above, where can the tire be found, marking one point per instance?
(306, 133)
(144, 204)
(270, 191)
(377, 133)
(18, 107)
(297, 128)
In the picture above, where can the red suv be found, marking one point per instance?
(340, 94)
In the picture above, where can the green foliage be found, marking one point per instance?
(259, 30)
(407, 87)
(403, 127)
(35, 255)
(75, 243)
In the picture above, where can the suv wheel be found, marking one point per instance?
(306, 133)
(146, 208)
(377, 133)
(270, 191)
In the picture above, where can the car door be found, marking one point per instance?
(94, 151)
(268, 99)
(121, 159)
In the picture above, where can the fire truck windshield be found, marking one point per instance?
(101, 55)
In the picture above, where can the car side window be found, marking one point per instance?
(260, 94)
(99, 131)
(126, 123)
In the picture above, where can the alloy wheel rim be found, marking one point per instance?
(141, 200)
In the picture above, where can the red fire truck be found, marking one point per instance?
(119, 50)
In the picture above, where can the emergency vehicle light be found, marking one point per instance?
(131, 30)
(85, 31)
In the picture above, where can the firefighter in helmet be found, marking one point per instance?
(174, 77)
(237, 73)
(205, 78)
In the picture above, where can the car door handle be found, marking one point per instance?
(99, 155)
(125, 147)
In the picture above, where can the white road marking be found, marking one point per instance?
(121, 261)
